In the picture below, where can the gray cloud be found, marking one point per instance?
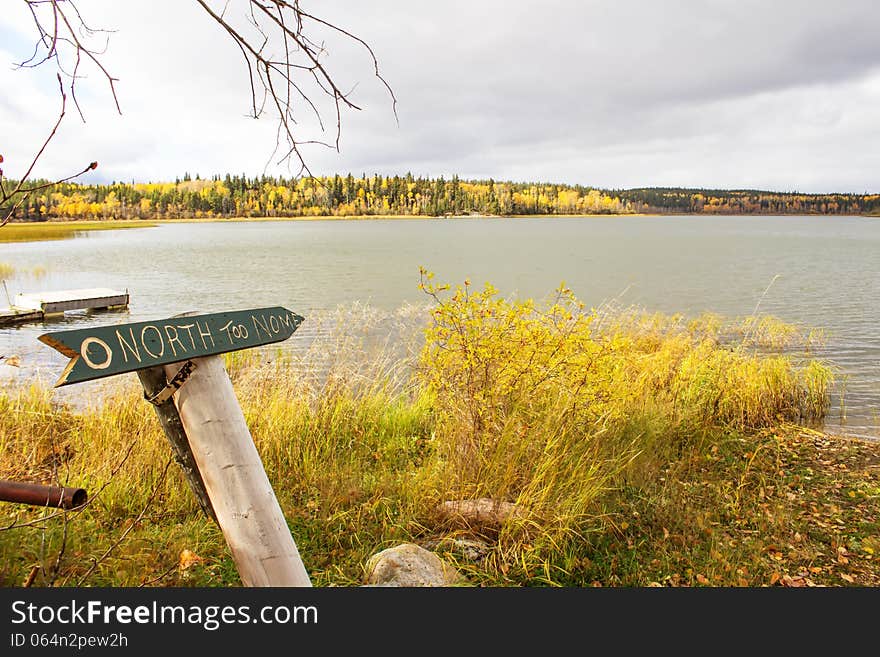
(715, 93)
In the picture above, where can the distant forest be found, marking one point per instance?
(240, 196)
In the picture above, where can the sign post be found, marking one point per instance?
(223, 460)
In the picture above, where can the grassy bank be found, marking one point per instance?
(59, 230)
(640, 450)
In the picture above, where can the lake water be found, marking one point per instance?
(822, 272)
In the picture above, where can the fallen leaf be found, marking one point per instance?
(188, 558)
(702, 579)
(847, 578)
(14, 361)
(793, 582)
(775, 577)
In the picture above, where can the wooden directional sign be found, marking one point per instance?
(107, 350)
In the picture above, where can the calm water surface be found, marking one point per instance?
(825, 273)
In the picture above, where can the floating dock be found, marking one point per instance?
(39, 306)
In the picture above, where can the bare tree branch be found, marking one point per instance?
(282, 26)
(286, 72)
(20, 189)
(64, 37)
(132, 525)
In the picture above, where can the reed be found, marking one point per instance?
(59, 230)
(549, 405)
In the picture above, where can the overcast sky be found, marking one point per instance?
(781, 95)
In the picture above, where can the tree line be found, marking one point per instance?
(703, 201)
(376, 195)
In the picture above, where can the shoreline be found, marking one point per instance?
(366, 217)
(16, 231)
(39, 231)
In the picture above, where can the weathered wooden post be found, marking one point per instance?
(226, 461)
(157, 392)
(243, 500)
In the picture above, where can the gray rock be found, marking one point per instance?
(472, 549)
(409, 565)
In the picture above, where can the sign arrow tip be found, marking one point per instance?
(49, 339)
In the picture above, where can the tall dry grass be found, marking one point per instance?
(550, 406)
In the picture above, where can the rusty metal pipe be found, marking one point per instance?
(38, 495)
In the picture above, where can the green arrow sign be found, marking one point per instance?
(107, 350)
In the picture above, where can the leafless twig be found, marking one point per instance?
(159, 577)
(286, 70)
(132, 525)
(281, 57)
(64, 37)
(21, 190)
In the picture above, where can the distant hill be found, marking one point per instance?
(240, 196)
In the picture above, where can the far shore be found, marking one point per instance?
(66, 228)
(59, 230)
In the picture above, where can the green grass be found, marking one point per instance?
(59, 230)
(641, 450)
